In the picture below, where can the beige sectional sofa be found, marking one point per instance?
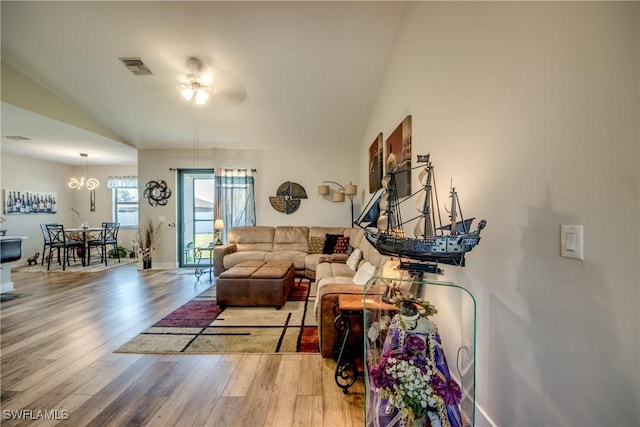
(291, 243)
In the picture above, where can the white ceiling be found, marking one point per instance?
(285, 73)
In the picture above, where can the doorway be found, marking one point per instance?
(196, 210)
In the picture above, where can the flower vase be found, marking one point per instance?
(419, 422)
(146, 263)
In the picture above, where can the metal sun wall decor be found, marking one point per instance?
(157, 193)
(287, 198)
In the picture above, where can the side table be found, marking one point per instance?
(349, 364)
(197, 253)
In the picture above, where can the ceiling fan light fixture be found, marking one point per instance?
(201, 96)
(187, 93)
(195, 88)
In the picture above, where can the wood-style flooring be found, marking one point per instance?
(57, 362)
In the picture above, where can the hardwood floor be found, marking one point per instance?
(57, 362)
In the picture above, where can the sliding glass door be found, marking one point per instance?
(196, 211)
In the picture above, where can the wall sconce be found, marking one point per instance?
(218, 225)
(339, 194)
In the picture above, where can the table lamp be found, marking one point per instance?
(218, 225)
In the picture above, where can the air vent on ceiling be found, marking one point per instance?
(136, 66)
(18, 138)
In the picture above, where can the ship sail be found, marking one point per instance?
(371, 212)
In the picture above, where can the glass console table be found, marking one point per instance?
(429, 337)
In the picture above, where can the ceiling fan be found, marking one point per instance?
(196, 88)
(204, 83)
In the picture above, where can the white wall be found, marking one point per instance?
(34, 175)
(533, 109)
(307, 167)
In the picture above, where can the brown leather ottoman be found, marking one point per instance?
(255, 284)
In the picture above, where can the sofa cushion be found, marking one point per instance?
(341, 245)
(354, 259)
(258, 238)
(364, 273)
(311, 261)
(230, 260)
(316, 244)
(371, 254)
(242, 270)
(333, 269)
(355, 236)
(291, 238)
(296, 257)
(340, 280)
(330, 243)
(322, 231)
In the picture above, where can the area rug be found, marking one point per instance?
(202, 327)
(94, 267)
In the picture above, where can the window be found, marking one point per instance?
(125, 207)
(124, 191)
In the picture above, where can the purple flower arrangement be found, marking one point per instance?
(410, 382)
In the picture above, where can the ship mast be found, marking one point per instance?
(453, 215)
(390, 220)
(424, 228)
(428, 225)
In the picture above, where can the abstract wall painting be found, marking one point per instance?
(398, 156)
(376, 158)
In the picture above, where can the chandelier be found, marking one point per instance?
(83, 182)
(196, 87)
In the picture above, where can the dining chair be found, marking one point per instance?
(47, 241)
(108, 236)
(58, 241)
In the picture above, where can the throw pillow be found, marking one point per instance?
(316, 245)
(354, 259)
(364, 273)
(341, 245)
(330, 243)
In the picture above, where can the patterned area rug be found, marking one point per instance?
(202, 327)
(75, 267)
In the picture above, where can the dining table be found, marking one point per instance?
(84, 231)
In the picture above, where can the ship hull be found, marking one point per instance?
(446, 249)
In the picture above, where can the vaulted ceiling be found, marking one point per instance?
(285, 74)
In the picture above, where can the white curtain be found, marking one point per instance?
(235, 203)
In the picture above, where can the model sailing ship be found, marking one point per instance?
(433, 242)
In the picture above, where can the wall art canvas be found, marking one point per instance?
(28, 202)
(376, 158)
(398, 156)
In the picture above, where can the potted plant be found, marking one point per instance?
(145, 242)
(83, 223)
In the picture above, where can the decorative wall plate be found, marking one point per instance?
(157, 193)
(287, 198)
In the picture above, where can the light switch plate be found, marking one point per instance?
(571, 241)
